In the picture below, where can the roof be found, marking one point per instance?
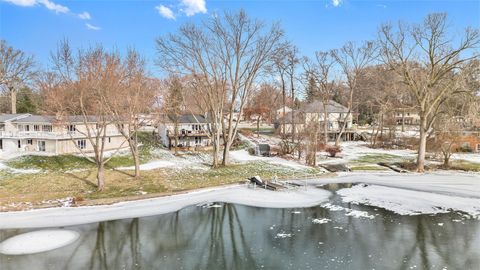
(9, 117)
(332, 107)
(189, 118)
(36, 119)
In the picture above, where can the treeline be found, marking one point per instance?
(231, 63)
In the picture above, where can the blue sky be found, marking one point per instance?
(36, 26)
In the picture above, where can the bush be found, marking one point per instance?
(333, 150)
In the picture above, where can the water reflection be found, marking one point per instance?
(240, 237)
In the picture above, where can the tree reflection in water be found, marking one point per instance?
(240, 237)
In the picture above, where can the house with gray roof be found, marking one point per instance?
(30, 134)
(336, 114)
(192, 131)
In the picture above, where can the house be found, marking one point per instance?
(47, 134)
(280, 112)
(469, 141)
(148, 122)
(314, 112)
(193, 131)
(288, 119)
(337, 114)
(406, 116)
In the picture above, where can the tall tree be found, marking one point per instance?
(78, 92)
(319, 73)
(174, 107)
(16, 69)
(352, 59)
(428, 60)
(225, 58)
(134, 97)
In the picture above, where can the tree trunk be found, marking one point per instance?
(258, 127)
(403, 121)
(226, 153)
(175, 133)
(13, 100)
(325, 124)
(422, 147)
(133, 144)
(100, 177)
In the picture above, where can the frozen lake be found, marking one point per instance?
(334, 235)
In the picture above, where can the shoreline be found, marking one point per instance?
(237, 194)
(451, 186)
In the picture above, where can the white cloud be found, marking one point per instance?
(336, 3)
(165, 12)
(92, 27)
(84, 16)
(55, 7)
(23, 3)
(192, 7)
(47, 3)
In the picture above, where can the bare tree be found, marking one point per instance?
(174, 107)
(427, 59)
(78, 92)
(16, 69)
(225, 58)
(134, 97)
(319, 75)
(352, 59)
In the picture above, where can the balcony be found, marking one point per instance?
(47, 135)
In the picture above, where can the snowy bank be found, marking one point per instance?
(55, 217)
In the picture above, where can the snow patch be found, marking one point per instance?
(38, 241)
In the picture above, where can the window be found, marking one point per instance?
(109, 139)
(36, 128)
(27, 128)
(1, 144)
(19, 144)
(71, 128)
(41, 146)
(30, 141)
(47, 128)
(82, 144)
(2, 127)
(198, 140)
(478, 146)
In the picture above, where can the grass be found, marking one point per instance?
(376, 158)
(465, 165)
(367, 168)
(37, 188)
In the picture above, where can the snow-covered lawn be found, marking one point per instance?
(352, 151)
(244, 156)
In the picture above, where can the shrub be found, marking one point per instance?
(333, 150)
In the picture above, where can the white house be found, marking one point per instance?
(46, 134)
(193, 131)
(337, 116)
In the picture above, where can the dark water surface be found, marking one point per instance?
(241, 237)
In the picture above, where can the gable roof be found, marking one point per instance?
(332, 107)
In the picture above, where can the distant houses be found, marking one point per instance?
(192, 131)
(29, 133)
